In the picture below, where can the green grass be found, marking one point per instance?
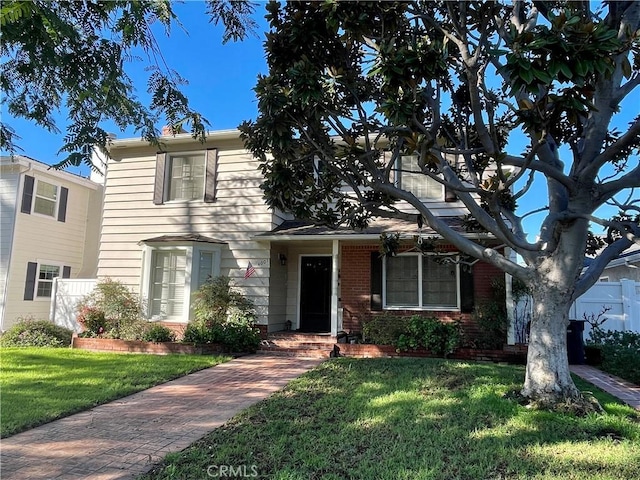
(413, 419)
(38, 385)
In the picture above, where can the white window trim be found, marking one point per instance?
(192, 267)
(420, 307)
(52, 263)
(167, 176)
(35, 196)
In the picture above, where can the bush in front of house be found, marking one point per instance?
(28, 332)
(159, 333)
(441, 338)
(222, 314)
(384, 329)
(112, 310)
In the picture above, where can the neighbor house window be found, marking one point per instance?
(46, 198)
(185, 176)
(417, 281)
(411, 179)
(46, 274)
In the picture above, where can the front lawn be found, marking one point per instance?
(41, 384)
(412, 419)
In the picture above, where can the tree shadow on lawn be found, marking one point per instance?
(410, 418)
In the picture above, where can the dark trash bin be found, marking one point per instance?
(575, 342)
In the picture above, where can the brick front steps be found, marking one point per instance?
(321, 346)
(134, 346)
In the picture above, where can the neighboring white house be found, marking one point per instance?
(625, 266)
(50, 223)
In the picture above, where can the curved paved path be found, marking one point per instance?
(124, 438)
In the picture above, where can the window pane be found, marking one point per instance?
(47, 190)
(187, 177)
(46, 198)
(420, 185)
(205, 270)
(402, 281)
(46, 274)
(439, 284)
(168, 282)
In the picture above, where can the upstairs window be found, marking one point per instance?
(46, 199)
(187, 176)
(411, 179)
(186, 179)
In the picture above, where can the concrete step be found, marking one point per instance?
(302, 337)
(286, 343)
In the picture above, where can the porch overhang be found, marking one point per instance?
(300, 230)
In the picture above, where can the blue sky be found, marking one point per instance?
(221, 79)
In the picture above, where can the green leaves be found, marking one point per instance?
(73, 56)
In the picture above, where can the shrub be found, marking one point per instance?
(159, 333)
(92, 320)
(222, 315)
(493, 323)
(384, 329)
(436, 336)
(29, 332)
(620, 353)
(111, 310)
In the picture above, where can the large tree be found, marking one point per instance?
(71, 57)
(353, 86)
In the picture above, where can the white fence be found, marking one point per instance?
(64, 298)
(619, 303)
(622, 299)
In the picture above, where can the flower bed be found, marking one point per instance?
(137, 346)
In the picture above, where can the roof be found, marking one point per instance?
(300, 230)
(32, 164)
(187, 237)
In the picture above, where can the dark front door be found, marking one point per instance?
(315, 294)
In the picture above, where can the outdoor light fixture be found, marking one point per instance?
(283, 259)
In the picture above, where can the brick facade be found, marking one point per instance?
(355, 288)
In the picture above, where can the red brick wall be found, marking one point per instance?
(355, 290)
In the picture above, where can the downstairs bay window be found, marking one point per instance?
(173, 271)
(419, 282)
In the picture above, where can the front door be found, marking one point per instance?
(315, 294)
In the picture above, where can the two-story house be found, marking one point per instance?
(50, 223)
(174, 218)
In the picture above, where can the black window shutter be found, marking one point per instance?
(66, 271)
(158, 190)
(211, 160)
(62, 208)
(27, 194)
(376, 281)
(466, 289)
(30, 283)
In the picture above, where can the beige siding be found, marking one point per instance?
(130, 216)
(43, 239)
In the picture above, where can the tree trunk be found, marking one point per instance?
(548, 381)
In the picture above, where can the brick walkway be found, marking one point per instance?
(625, 391)
(124, 438)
